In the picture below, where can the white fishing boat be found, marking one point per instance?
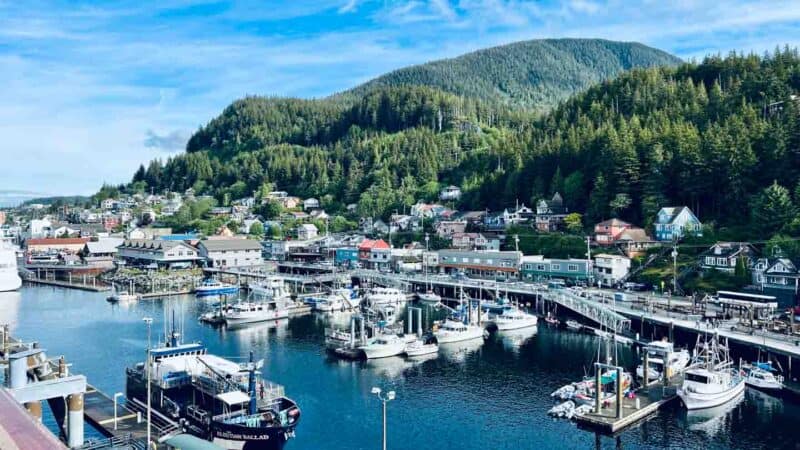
(384, 346)
(251, 312)
(514, 319)
(712, 380)
(762, 375)
(574, 325)
(211, 287)
(657, 353)
(425, 345)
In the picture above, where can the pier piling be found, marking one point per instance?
(75, 420)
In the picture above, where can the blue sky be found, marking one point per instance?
(88, 91)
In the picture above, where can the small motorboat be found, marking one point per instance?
(384, 346)
(425, 345)
(121, 297)
(429, 298)
(574, 325)
(762, 375)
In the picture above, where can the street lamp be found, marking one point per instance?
(149, 322)
(116, 396)
(384, 399)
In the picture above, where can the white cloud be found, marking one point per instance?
(350, 6)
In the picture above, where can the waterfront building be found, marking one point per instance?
(345, 256)
(611, 269)
(44, 245)
(498, 265)
(674, 222)
(538, 268)
(724, 255)
(365, 249)
(153, 253)
(231, 252)
(101, 252)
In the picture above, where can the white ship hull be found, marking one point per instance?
(9, 280)
(429, 298)
(517, 324)
(255, 316)
(373, 351)
(703, 400)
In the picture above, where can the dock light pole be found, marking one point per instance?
(149, 322)
(116, 396)
(389, 397)
(674, 276)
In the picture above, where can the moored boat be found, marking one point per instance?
(712, 380)
(762, 375)
(211, 287)
(425, 345)
(657, 353)
(514, 319)
(384, 346)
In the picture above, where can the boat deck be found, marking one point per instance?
(651, 399)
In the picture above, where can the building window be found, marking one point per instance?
(540, 267)
(721, 261)
(555, 267)
(710, 260)
(572, 267)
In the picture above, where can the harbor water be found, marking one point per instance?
(491, 394)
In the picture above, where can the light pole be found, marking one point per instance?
(674, 276)
(149, 322)
(389, 397)
(116, 396)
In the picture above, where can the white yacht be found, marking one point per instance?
(514, 319)
(712, 380)
(9, 276)
(429, 297)
(456, 331)
(656, 353)
(337, 300)
(762, 376)
(269, 289)
(251, 312)
(385, 296)
(122, 296)
(384, 346)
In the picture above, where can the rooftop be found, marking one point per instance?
(230, 244)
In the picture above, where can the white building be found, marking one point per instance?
(157, 253)
(610, 269)
(310, 203)
(307, 231)
(450, 193)
(39, 228)
(231, 252)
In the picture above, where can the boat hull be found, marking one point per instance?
(516, 324)
(254, 318)
(698, 400)
(422, 350)
(199, 292)
(449, 338)
(383, 351)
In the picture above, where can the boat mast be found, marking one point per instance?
(251, 385)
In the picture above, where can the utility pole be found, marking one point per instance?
(674, 273)
(389, 397)
(516, 242)
(588, 258)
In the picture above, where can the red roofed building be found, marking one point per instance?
(608, 231)
(366, 247)
(70, 245)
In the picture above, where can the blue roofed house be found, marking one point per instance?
(674, 222)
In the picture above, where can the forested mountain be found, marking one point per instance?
(721, 136)
(536, 74)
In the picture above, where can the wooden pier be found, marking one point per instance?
(647, 401)
(66, 284)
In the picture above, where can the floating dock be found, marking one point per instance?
(131, 418)
(648, 401)
(66, 284)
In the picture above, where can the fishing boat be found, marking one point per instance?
(514, 319)
(762, 375)
(214, 398)
(657, 353)
(384, 346)
(211, 287)
(712, 380)
(425, 345)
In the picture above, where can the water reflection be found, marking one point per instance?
(713, 421)
(459, 351)
(9, 307)
(513, 340)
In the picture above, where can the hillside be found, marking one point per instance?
(698, 134)
(535, 74)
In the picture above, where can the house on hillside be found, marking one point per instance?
(608, 231)
(635, 242)
(307, 231)
(310, 203)
(550, 214)
(777, 273)
(450, 193)
(724, 255)
(446, 228)
(674, 222)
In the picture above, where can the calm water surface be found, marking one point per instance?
(489, 395)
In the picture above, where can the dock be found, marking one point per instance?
(130, 420)
(648, 401)
(66, 284)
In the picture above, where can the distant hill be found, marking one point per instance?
(536, 74)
